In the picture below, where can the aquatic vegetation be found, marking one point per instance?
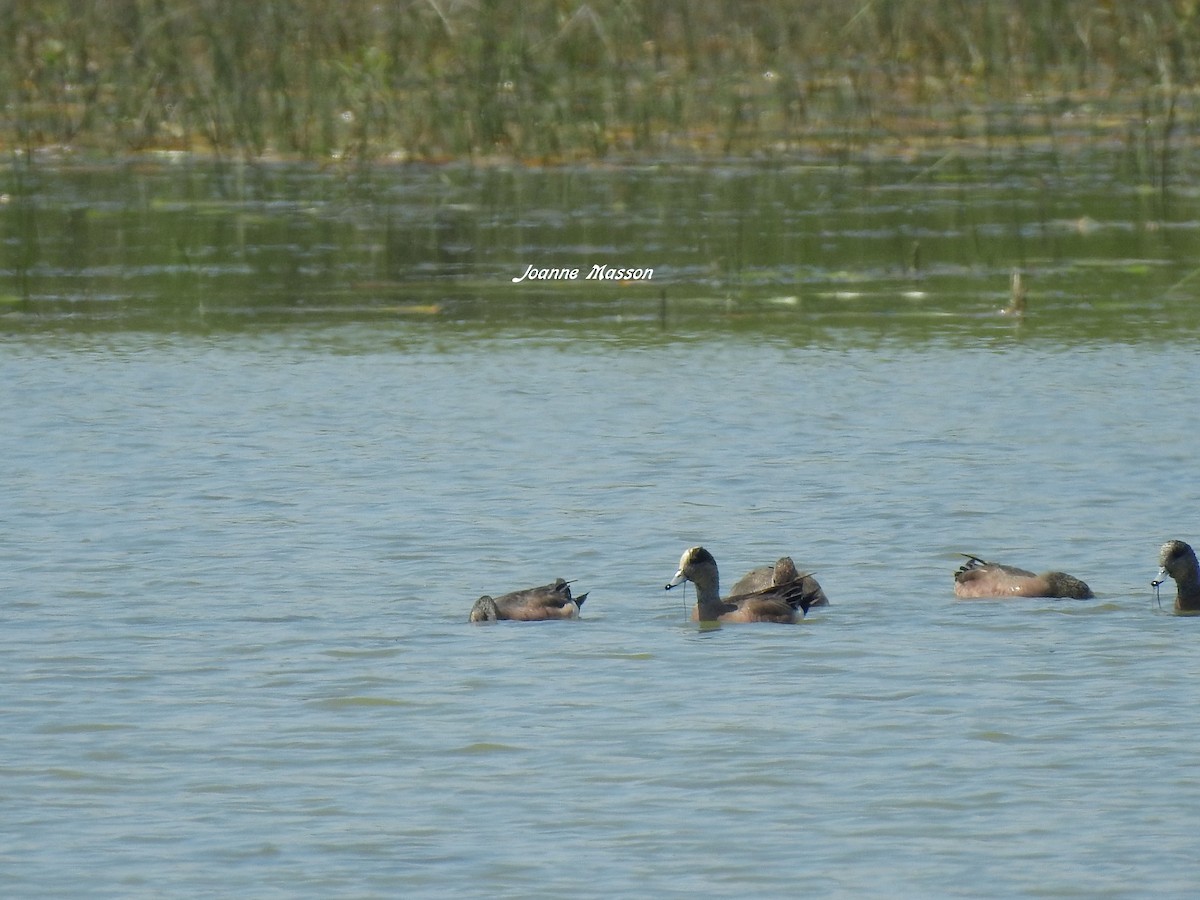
(555, 82)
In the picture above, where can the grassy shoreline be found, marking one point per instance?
(551, 83)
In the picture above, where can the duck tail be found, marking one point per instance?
(802, 594)
(807, 599)
(972, 563)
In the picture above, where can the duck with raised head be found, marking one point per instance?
(784, 603)
(1177, 560)
(781, 572)
(536, 604)
(979, 578)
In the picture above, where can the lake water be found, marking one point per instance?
(269, 434)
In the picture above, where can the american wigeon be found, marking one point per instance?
(1178, 560)
(978, 578)
(550, 601)
(783, 603)
(782, 572)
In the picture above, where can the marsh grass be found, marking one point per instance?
(551, 82)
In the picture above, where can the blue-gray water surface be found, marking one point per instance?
(236, 574)
(236, 564)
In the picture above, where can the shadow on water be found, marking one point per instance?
(907, 249)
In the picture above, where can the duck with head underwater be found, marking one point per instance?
(536, 604)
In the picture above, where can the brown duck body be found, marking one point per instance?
(1178, 560)
(550, 601)
(979, 578)
(783, 603)
(780, 573)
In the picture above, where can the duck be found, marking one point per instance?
(782, 572)
(1178, 560)
(784, 603)
(980, 578)
(536, 604)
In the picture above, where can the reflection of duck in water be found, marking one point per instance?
(1016, 306)
(551, 601)
(455, 230)
(783, 603)
(1178, 560)
(782, 572)
(978, 578)
(445, 246)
